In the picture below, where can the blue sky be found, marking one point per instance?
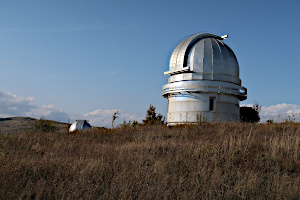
(68, 59)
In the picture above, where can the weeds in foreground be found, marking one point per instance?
(211, 161)
(3, 141)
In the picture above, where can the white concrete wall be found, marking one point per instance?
(195, 107)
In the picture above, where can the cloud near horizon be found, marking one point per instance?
(279, 112)
(12, 105)
(104, 117)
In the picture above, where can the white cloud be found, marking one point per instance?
(12, 105)
(101, 113)
(101, 117)
(49, 112)
(246, 105)
(279, 112)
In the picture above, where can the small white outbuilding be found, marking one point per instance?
(80, 125)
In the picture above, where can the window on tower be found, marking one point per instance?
(211, 103)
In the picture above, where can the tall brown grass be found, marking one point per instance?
(209, 161)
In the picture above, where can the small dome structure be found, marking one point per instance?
(204, 81)
(80, 125)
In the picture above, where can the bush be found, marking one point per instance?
(249, 114)
(43, 125)
(129, 124)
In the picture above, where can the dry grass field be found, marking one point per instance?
(207, 161)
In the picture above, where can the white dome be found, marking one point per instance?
(208, 56)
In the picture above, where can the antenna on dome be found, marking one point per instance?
(224, 37)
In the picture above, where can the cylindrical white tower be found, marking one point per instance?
(204, 83)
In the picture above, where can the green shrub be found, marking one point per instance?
(248, 114)
(152, 118)
(43, 125)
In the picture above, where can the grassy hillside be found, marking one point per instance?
(209, 161)
(12, 125)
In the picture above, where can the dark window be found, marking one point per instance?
(211, 103)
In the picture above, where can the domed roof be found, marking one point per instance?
(207, 55)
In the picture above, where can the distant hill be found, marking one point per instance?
(19, 124)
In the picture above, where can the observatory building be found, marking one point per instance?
(204, 83)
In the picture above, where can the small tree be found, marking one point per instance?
(152, 118)
(256, 107)
(249, 114)
(114, 117)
